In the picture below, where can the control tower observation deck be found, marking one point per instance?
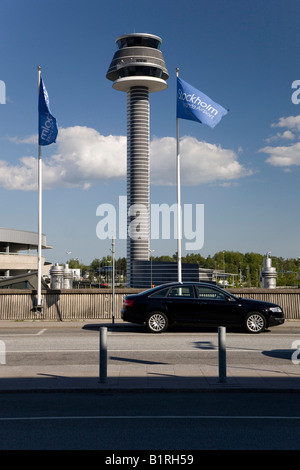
(138, 68)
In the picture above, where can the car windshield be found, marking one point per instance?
(229, 294)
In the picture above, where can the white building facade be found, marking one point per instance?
(18, 252)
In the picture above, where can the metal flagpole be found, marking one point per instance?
(113, 279)
(39, 299)
(178, 201)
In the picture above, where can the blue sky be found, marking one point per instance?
(244, 54)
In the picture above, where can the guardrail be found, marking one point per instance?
(86, 304)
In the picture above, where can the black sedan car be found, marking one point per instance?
(198, 304)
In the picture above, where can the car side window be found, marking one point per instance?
(209, 293)
(182, 291)
(160, 293)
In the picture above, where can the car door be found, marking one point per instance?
(181, 304)
(217, 307)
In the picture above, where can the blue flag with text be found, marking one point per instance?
(47, 123)
(194, 105)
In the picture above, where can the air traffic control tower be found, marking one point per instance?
(138, 68)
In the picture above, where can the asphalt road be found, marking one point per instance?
(180, 422)
(79, 346)
(151, 421)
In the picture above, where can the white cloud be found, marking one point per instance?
(83, 156)
(19, 177)
(31, 139)
(285, 155)
(287, 135)
(291, 122)
(201, 162)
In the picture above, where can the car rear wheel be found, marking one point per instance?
(255, 322)
(157, 322)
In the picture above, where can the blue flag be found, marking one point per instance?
(47, 123)
(194, 105)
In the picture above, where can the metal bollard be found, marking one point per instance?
(103, 355)
(2, 352)
(222, 353)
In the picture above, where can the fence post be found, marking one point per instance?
(103, 355)
(222, 353)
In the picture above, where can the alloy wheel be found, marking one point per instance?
(255, 323)
(157, 322)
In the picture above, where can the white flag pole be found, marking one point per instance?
(178, 201)
(39, 299)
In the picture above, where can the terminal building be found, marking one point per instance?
(18, 253)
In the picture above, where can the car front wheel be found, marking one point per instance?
(157, 322)
(255, 322)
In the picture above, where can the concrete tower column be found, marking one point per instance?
(138, 176)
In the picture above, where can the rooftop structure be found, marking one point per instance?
(268, 273)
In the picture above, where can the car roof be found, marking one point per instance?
(178, 283)
(174, 284)
(168, 285)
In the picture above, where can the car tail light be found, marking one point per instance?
(128, 302)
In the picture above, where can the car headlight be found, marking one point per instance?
(276, 309)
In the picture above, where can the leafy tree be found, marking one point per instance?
(246, 266)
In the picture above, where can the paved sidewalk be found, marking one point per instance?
(141, 377)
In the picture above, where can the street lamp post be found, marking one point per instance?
(113, 278)
(151, 251)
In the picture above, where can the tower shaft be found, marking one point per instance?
(138, 177)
